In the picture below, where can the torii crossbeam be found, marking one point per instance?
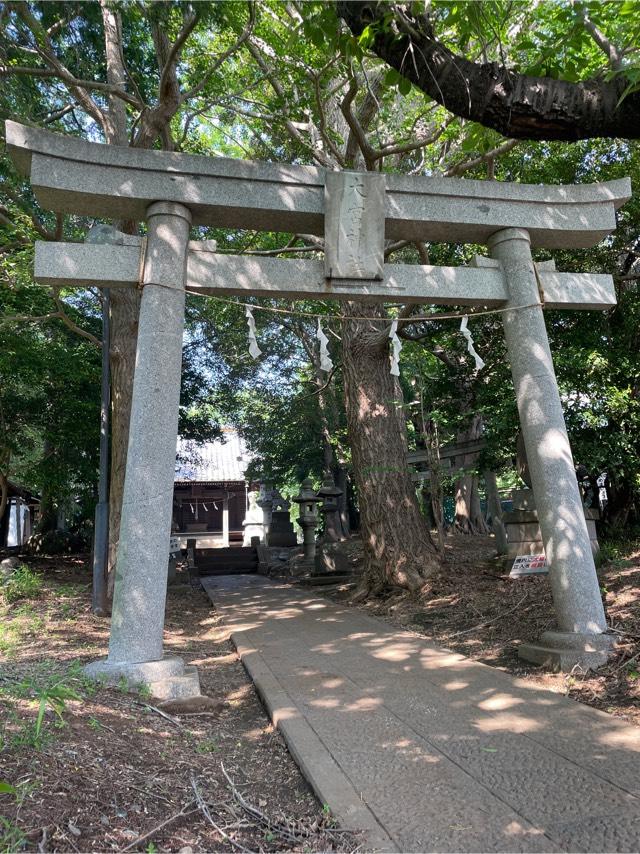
(355, 212)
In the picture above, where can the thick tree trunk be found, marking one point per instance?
(4, 493)
(125, 307)
(620, 504)
(398, 550)
(342, 482)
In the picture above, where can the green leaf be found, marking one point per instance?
(392, 78)
(7, 789)
(404, 86)
(41, 710)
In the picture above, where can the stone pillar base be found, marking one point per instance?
(167, 679)
(564, 650)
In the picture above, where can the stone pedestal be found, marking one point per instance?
(137, 621)
(523, 530)
(572, 573)
(252, 530)
(564, 650)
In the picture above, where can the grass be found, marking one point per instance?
(24, 583)
(12, 837)
(620, 551)
(207, 745)
(45, 689)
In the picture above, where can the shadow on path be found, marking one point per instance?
(423, 748)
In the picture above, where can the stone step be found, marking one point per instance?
(227, 561)
(229, 570)
(562, 659)
(225, 551)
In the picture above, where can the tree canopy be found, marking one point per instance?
(413, 91)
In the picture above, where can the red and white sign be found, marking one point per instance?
(529, 565)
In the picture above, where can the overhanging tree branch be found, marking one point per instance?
(516, 105)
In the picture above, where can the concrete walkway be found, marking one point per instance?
(422, 748)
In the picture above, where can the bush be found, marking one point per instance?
(57, 542)
(24, 583)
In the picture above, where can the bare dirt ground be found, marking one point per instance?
(474, 608)
(107, 771)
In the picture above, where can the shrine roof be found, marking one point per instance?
(224, 460)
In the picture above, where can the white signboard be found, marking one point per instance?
(529, 565)
(174, 545)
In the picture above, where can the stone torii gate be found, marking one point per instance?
(355, 212)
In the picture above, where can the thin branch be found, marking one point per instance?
(613, 54)
(189, 22)
(69, 80)
(227, 53)
(277, 87)
(69, 323)
(47, 52)
(461, 168)
(187, 809)
(404, 148)
(204, 809)
(357, 131)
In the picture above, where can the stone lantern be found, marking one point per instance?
(308, 519)
(330, 494)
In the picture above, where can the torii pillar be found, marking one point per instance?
(572, 573)
(137, 619)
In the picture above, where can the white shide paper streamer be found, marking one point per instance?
(254, 350)
(470, 348)
(325, 359)
(396, 347)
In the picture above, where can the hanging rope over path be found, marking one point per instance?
(415, 318)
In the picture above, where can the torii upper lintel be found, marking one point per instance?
(69, 175)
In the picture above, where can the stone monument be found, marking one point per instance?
(522, 528)
(265, 503)
(281, 532)
(253, 525)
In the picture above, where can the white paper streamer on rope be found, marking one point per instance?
(204, 507)
(470, 348)
(396, 347)
(192, 510)
(254, 350)
(325, 359)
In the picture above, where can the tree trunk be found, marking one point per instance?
(494, 511)
(398, 550)
(435, 487)
(469, 518)
(4, 494)
(620, 500)
(342, 482)
(124, 305)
